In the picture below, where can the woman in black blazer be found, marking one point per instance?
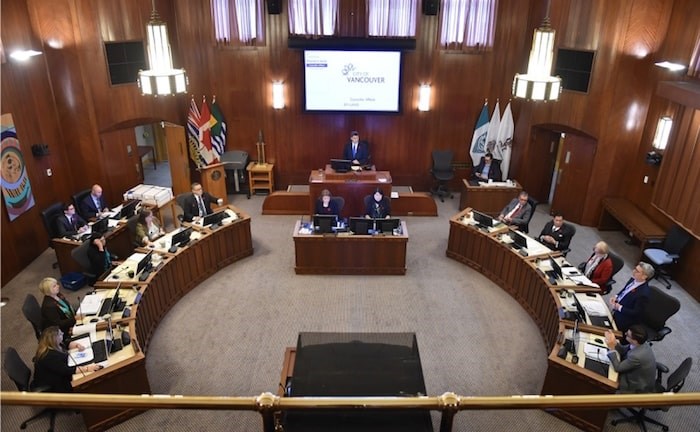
(325, 204)
(55, 308)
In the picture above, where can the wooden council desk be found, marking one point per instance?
(487, 199)
(520, 278)
(353, 186)
(118, 242)
(178, 274)
(350, 254)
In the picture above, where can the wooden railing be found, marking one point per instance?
(267, 404)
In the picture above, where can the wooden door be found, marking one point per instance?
(541, 159)
(574, 173)
(120, 157)
(178, 157)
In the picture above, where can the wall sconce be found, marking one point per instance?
(663, 132)
(24, 55)
(424, 97)
(673, 67)
(277, 95)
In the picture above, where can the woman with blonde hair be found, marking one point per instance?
(51, 362)
(56, 310)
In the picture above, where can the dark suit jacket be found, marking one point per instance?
(67, 229)
(637, 368)
(362, 152)
(562, 236)
(88, 209)
(332, 208)
(53, 371)
(522, 216)
(494, 172)
(98, 260)
(633, 305)
(378, 210)
(53, 315)
(191, 209)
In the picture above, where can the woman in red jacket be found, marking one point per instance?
(599, 266)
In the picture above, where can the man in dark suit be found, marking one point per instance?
(70, 224)
(488, 169)
(517, 212)
(634, 362)
(199, 203)
(556, 233)
(628, 305)
(94, 203)
(355, 150)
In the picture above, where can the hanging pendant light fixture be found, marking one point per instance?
(538, 84)
(161, 79)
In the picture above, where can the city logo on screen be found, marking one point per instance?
(355, 76)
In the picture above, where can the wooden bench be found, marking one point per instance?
(620, 211)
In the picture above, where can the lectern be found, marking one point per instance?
(214, 180)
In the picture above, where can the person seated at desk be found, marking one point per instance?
(148, 228)
(599, 266)
(325, 204)
(628, 305)
(556, 234)
(377, 206)
(355, 150)
(70, 224)
(100, 258)
(634, 362)
(51, 362)
(199, 203)
(55, 308)
(488, 169)
(94, 204)
(517, 212)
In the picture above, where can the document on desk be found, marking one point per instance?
(583, 280)
(91, 303)
(596, 352)
(88, 328)
(594, 308)
(77, 357)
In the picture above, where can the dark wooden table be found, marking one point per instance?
(353, 186)
(487, 199)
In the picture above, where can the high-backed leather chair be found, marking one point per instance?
(442, 172)
(180, 201)
(660, 308)
(533, 205)
(78, 198)
(32, 312)
(80, 255)
(668, 254)
(48, 217)
(617, 264)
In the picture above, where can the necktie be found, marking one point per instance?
(202, 209)
(354, 150)
(72, 223)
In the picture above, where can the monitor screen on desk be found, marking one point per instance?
(100, 225)
(145, 263)
(556, 268)
(341, 165)
(324, 224)
(482, 219)
(115, 300)
(387, 225)
(518, 239)
(361, 226)
(128, 209)
(183, 236)
(214, 218)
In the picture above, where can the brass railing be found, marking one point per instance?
(267, 404)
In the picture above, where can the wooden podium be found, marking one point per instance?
(214, 180)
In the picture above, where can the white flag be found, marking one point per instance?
(504, 147)
(492, 134)
(478, 145)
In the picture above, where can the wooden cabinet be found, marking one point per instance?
(261, 177)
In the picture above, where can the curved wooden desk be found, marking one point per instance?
(173, 278)
(520, 277)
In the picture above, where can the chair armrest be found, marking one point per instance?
(662, 367)
(663, 332)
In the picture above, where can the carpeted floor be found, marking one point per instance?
(227, 336)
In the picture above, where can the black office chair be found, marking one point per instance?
(48, 217)
(660, 308)
(617, 264)
(77, 199)
(533, 205)
(131, 226)
(80, 255)
(32, 312)
(668, 254)
(180, 200)
(674, 384)
(21, 375)
(567, 250)
(442, 172)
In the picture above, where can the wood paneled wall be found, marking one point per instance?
(85, 120)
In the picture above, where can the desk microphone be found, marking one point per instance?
(78, 368)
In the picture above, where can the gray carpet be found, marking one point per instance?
(227, 337)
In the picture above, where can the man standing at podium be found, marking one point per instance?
(357, 151)
(199, 203)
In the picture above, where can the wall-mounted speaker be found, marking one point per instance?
(274, 7)
(653, 158)
(40, 150)
(430, 7)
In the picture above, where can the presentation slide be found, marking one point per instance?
(352, 80)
